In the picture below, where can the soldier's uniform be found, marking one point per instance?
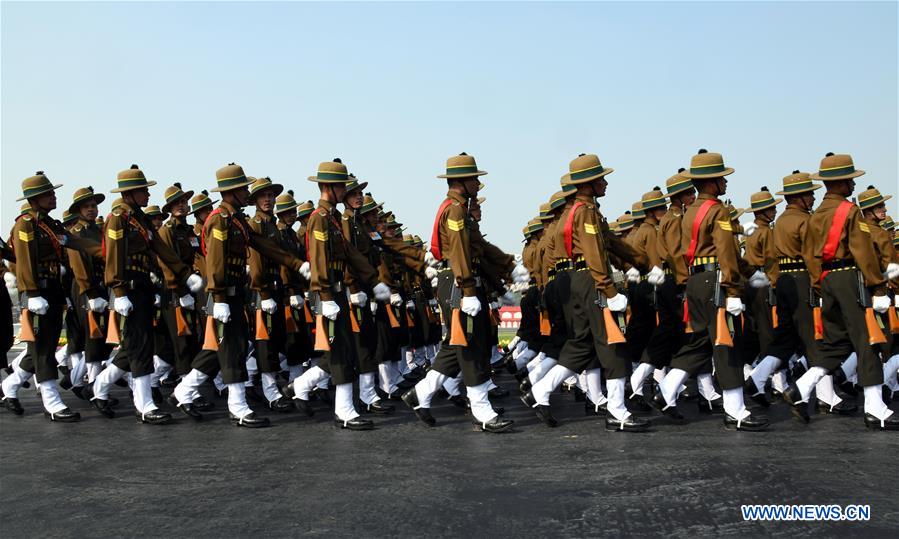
(6, 324)
(713, 288)
(298, 342)
(528, 334)
(200, 206)
(842, 264)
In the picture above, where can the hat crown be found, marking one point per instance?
(333, 168)
(761, 196)
(583, 163)
(461, 161)
(286, 198)
(172, 191)
(230, 172)
(706, 160)
(131, 174)
(35, 183)
(82, 192)
(836, 161)
(558, 199)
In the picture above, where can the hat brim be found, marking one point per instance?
(51, 188)
(740, 213)
(99, 197)
(150, 183)
(817, 176)
(293, 207)
(881, 201)
(205, 205)
(726, 172)
(362, 185)
(168, 205)
(774, 202)
(566, 179)
(807, 190)
(459, 176)
(377, 206)
(317, 180)
(276, 188)
(232, 187)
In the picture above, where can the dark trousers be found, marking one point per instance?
(556, 295)
(694, 356)
(136, 347)
(668, 336)
(387, 346)
(366, 340)
(844, 327)
(6, 328)
(340, 361)
(529, 327)
(795, 332)
(587, 346)
(231, 357)
(184, 347)
(760, 330)
(95, 350)
(298, 345)
(473, 361)
(40, 355)
(267, 351)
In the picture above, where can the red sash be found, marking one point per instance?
(203, 230)
(569, 223)
(694, 234)
(835, 233)
(435, 235)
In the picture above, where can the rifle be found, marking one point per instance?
(616, 325)
(115, 327)
(214, 329)
(724, 321)
(875, 331)
(457, 336)
(263, 321)
(323, 327)
(772, 302)
(30, 321)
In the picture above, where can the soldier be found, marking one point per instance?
(844, 269)
(200, 207)
(465, 348)
(713, 294)
(330, 256)
(39, 245)
(528, 336)
(90, 300)
(624, 225)
(587, 241)
(6, 325)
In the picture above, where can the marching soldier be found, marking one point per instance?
(714, 307)
(200, 207)
(465, 348)
(39, 245)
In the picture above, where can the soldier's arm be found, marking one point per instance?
(269, 249)
(718, 224)
(625, 251)
(167, 236)
(170, 261)
(457, 248)
(812, 262)
(384, 274)
(772, 267)
(651, 242)
(587, 237)
(318, 256)
(257, 266)
(413, 257)
(861, 247)
(82, 273)
(358, 266)
(23, 238)
(83, 245)
(115, 241)
(215, 235)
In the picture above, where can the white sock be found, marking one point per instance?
(670, 385)
(161, 369)
(759, 375)
(270, 387)
(344, 408)
(825, 393)
(706, 387)
(310, 379)
(218, 382)
(453, 386)
(659, 374)
(143, 395)
(779, 381)
(532, 364)
(548, 383)
(639, 376)
(61, 356)
(386, 376)
(93, 370)
(293, 372)
(594, 387)
(481, 409)
(733, 403)
(874, 404)
(810, 379)
(105, 379)
(367, 393)
(429, 385)
(539, 371)
(889, 372)
(186, 390)
(237, 400)
(77, 369)
(50, 396)
(850, 365)
(616, 407)
(14, 381)
(747, 370)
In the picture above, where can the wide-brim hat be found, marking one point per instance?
(763, 200)
(200, 201)
(82, 195)
(585, 168)
(637, 210)
(305, 208)
(480, 201)
(155, 211)
(261, 184)
(560, 198)
(707, 165)
(625, 222)
(353, 183)
(26, 207)
(837, 167)
(798, 182)
(68, 217)
(369, 204)
(36, 185)
(331, 172)
(678, 183)
(461, 166)
(285, 202)
(871, 198)
(116, 204)
(230, 177)
(545, 212)
(734, 212)
(653, 199)
(131, 179)
(888, 224)
(174, 194)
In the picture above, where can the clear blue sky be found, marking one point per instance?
(394, 89)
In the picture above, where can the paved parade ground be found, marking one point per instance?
(106, 478)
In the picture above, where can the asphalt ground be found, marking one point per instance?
(303, 476)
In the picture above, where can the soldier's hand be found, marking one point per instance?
(410, 305)
(382, 292)
(305, 270)
(187, 301)
(892, 271)
(97, 305)
(62, 270)
(430, 272)
(734, 306)
(374, 308)
(269, 306)
(396, 300)
(617, 303)
(38, 305)
(471, 305)
(330, 310)
(880, 303)
(508, 298)
(11, 281)
(296, 301)
(123, 305)
(432, 303)
(358, 299)
(157, 300)
(759, 280)
(429, 259)
(633, 275)
(221, 312)
(749, 228)
(656, 276)
(195, 283)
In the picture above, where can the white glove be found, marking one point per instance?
(513, 344)
(433, 302)
(122, 305)
(892, 271)
(880, 303)
(633, 275)
(734, 306)
(430, 272)
(759, 280)
(221, 312)
(157, 300)
(896, 301)
(296, 301)
(749, 228)
(520, 274)
(195, 283)
(508, 298)
(269, 306)
(38, 305)
(97, 305)
(187, 301)
(656, 276)
(154, 278)
(330, 310)
(374, 308)
(617, 303)
(306, 271)
(358, 299)
(395, 300)
(62, 270)
(410, 305)
(382, 292)
(429, 259)
(471, 305)
(11, 281)
(494, 305)
(434, 282)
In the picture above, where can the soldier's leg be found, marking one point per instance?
(693, 356)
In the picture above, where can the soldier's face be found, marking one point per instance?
(688, 197)
(201, 215)
(722, 185)
(157, 222)
(471, 187)
(242, 196)
(599, 187)
(475, 212)
(179, 208)
(141, 197)
(265, 200)
(88, 210)
(45, 202)
(880, 212)
(353, 199)
(288, 217)
(339, 191)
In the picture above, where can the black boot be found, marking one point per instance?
(757, 396)
(187, 409)
(890, 423)
(658, 402)
(751, 423)
(841, 408)
(250, 421)
(637, 403)
(102, 405)
(543, 412)
(281, 405)
(798, 407)
(631, 424)
(378, 407)
(495, 425)
(595, 409)
(154, 417)
(521, 374)
(710, 407)
(203, 405)
(497, 393)
(357, 423)
(157, 396)
(424, 414)
(64, 416)
(458, 401)
(12, 404)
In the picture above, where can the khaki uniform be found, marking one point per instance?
(180, 238)
(89, 274)
(298, 344)
(760, 255)
(266, 283)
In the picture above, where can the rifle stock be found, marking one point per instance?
(724, 325)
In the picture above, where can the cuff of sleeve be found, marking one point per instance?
(470, 291)
(120, 291)
(326, 295)
(610, 291)
(265, 294)
(218, 297)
